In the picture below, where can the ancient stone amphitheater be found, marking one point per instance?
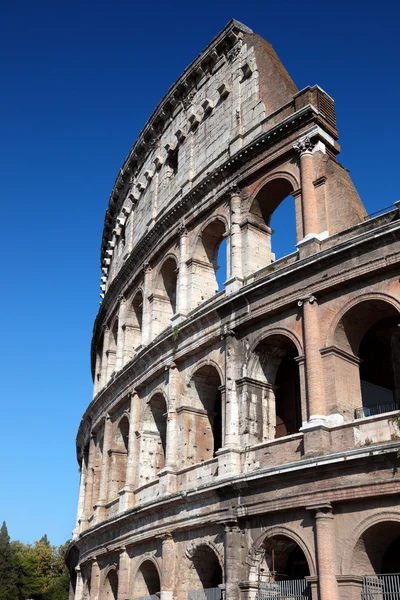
(241, 443)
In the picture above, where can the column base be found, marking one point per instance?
(99, 511)
(233, 284)
(166, 595)
(126, 499)
(311, 243)
(168, 481)
(229, 461)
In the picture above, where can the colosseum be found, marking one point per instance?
(242, 438)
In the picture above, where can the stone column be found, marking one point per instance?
(182, 300)
(146, 305)
(95, 581)
(103, 375)
(236, 267)
(88, 505)
(229, 454)
(79, 584)
(105, 467)
(325, 551)
(119, 357)
(168, 473)
(123, 575)
(168, 567)
(310, 216)
(232, 547)
(313, 362)
(81, 498)
(127, 497)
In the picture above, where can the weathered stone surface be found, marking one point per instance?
(240, 436)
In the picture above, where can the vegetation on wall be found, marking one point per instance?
(35, 571)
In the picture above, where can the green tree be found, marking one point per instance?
(8, 567)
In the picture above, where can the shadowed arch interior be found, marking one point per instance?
(283, 560)
(147, 581)
(377, 550)
(276, 365)
(208, 259)
(206, 398)
(207, 568)
(110, 587)
(370, 332)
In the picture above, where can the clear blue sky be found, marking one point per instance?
(78, 81)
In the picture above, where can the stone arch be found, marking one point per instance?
(370, 543)
(362, 356)
(109, 584)
(204, 260)
(205, 362)
(119, 455)
(204, 567)
(272, 387)
(330, 336)
(256, 555)
(153, 437)
(133, 325)
(147, 578)
(262, 334)
(112, 346)
(164, 298)
(271, 191)
(202, 419)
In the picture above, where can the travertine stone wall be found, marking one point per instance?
(239, 434)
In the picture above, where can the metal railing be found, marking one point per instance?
(205, 594)
(381, 587)
(291, 589)
(376, 409)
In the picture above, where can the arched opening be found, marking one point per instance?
(119, 458)
(99, 364)
(110, 587)
(164, 300)
(112, 349)
(133, 327)
(377, 550)
(283, 567)
(258, 229)
(97, 467)
(153, 438)
(273, 391)
(370, 333)
(206, 572)
(208, 263)
(204, 420)
(147, 581)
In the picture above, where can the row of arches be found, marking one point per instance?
(205, 572)
(362, 376)
(181, 283)
(279, 555)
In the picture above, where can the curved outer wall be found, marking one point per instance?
(229, 428)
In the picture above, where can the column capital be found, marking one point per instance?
(234, 190)
(227, 334)
(121, 298)
(304, 146)
(310, 299)
(321, 509)
(146, 267)
(182, 231)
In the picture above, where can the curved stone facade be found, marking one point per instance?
(243, 439)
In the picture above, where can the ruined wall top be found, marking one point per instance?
(217, 106)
